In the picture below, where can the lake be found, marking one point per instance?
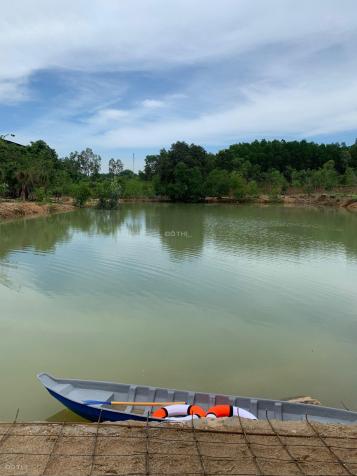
(250, 300)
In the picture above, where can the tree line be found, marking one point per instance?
(35, 172)
(184, 172)
(188, 172)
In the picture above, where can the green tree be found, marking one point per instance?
(327, 175)
(252, 189)
(172, 169)
(40, 194)
(109, 193)
(61, 184)
(187, 185)
(115, 167)
(349, 178)
(238, 185)
(217, 183)
(276, 182)
(81, 193)
(127, 173)
(85, 163)
(3, 189)
(134, 188)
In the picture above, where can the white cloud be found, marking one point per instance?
(292, 112)
(105, 117)
(236, 68)
(156, 34)
(153, 103)
(13, 91)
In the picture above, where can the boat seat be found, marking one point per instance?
(63, 388)
(81, 394)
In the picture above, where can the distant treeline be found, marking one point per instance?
(183, 173)
(188, 172)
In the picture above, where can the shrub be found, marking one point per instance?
(277, 182)
(217, 183)
(238, 185)
(81, 193)
(40, 194)
(109, 194)
(349, 178)
(3, 189)
(137, 188)
(252, 189)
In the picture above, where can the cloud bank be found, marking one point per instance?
(139, 74)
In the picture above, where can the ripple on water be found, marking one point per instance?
(243, 281)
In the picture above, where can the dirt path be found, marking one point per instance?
(229, 447)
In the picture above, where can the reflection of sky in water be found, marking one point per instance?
(266, 294)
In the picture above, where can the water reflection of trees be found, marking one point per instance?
(183, 229)
(281, 230)
(40, 234)
(180, 227)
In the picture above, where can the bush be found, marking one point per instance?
(238, 185)
(3, 189)
(349, 178)
(40, 194)
(298, 178)
(133, 188)
(217, 183)
(81, 193)
(325, 177)
(277, 182)
(109, 194)
(252, 189)
(188, 186)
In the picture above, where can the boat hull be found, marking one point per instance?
(95, 414)
(72, 393)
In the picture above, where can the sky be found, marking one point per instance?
(134, 76)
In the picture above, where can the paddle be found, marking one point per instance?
(139, 404)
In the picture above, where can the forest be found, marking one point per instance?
(184, 172)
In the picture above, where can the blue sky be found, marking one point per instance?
(125, 76)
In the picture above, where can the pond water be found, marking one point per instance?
(249, 300)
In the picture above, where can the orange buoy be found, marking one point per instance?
(196, 410)
(220, 411)
(179, 411)
(160, 413)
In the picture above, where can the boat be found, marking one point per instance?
(73, 394)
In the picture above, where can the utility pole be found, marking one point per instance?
(133, 163)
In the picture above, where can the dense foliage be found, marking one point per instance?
(188, 173)
(182, 173)
(35, 172)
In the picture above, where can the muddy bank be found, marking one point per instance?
(14, 209)
(337, 200)
(325, 200)
(349, 202)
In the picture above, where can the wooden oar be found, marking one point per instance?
(138, 404)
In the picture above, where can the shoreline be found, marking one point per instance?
(12, 209)
(332, 200)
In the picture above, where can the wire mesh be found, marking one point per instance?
(50, 449)
(285, 446)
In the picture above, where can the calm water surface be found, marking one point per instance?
(247, 300)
